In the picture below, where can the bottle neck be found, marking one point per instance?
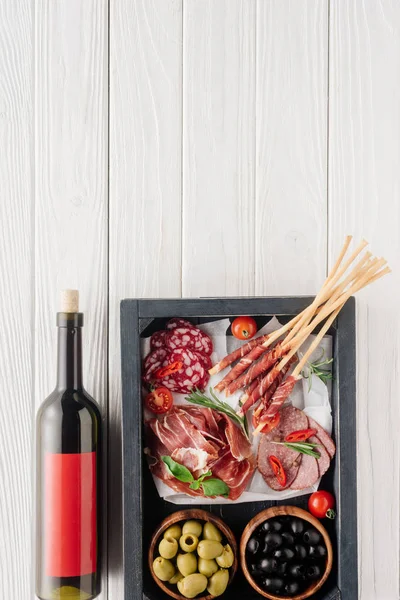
(69, 367)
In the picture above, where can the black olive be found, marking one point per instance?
(284, 553)
(273, 584)
(255, 571)
(265, 527)
(292, 588)
(312, 536)
(276, 525)
(317, 551)
(268, 565)
(282, 568)
(273, 540)
(297, 526)
(288, 538)
(301, 551)
(297, 570)
(314, 572)
(253, 545)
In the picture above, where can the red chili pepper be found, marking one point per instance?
(278, 470)
(301, 435)
(168, 369)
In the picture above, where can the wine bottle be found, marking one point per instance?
(68, 481)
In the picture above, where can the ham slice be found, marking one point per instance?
(325, 438)
(201, 439)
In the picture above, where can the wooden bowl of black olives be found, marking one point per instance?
(193, 554)
(286, 553)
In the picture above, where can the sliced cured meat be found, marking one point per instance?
(267, 360)
(266, 388)
(203, 358)
(154, 361)
(236, 474)
(175, 430)
(323, 436)
(307, 475)
(176, 322)
(157, 340)
(191, 374)
(324, 460)
(290, 462)
(292, 419)
(238, 354)
(199, 438)
(193, 459)
(280, 396)
(189, 337)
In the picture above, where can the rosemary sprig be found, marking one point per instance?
(315, 368)
(302, 447)
(197, 397)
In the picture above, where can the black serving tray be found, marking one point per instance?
(143, 509)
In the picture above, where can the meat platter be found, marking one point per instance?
(159, 338)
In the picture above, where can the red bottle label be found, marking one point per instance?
(70, 514)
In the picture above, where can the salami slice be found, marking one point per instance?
(189, 337)
(190, 376)
(155, 360)
(204, 359)
(176, 322)
(157, 340)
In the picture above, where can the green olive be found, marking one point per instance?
(168, 547)
(218, 583)
(187, 564)
(193, 527)
(210, 532)
(209, 549)
(177, 577)
(163, 568)
(192, 585)
(174, 531)
(207, 567)
(226, 559)
(188, 542)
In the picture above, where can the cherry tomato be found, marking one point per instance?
(244, 328)
(159, 401)
(321, 505)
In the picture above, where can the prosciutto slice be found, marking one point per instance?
(201, 439)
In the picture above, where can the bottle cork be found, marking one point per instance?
(69, 301)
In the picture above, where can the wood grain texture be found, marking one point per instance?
(218, 147)
(291, 146)
(16, 269)
(364, 180)
(145, 193)
(71, 184)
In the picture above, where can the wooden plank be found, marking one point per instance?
(364, 179)
(71, 86)
(291, 146)
(16, 264)
(218, 147)
(145, 192)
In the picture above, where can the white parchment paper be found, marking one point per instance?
(315, 402)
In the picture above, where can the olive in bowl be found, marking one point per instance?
(286, 553)
(193, 554)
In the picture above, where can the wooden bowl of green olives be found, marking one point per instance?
(193, 554)
(286, 553)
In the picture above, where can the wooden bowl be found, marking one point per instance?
(292, 511)
(188, 515)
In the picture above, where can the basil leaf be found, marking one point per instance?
(195, 485)
(215, 487)
(208, 474)
(178, 471)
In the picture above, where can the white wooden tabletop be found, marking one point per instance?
(167, 148)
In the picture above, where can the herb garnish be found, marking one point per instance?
(302, 447)
(197, 397)
(211, 486)
(315, 369)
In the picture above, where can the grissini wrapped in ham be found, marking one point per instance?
(266, 361)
